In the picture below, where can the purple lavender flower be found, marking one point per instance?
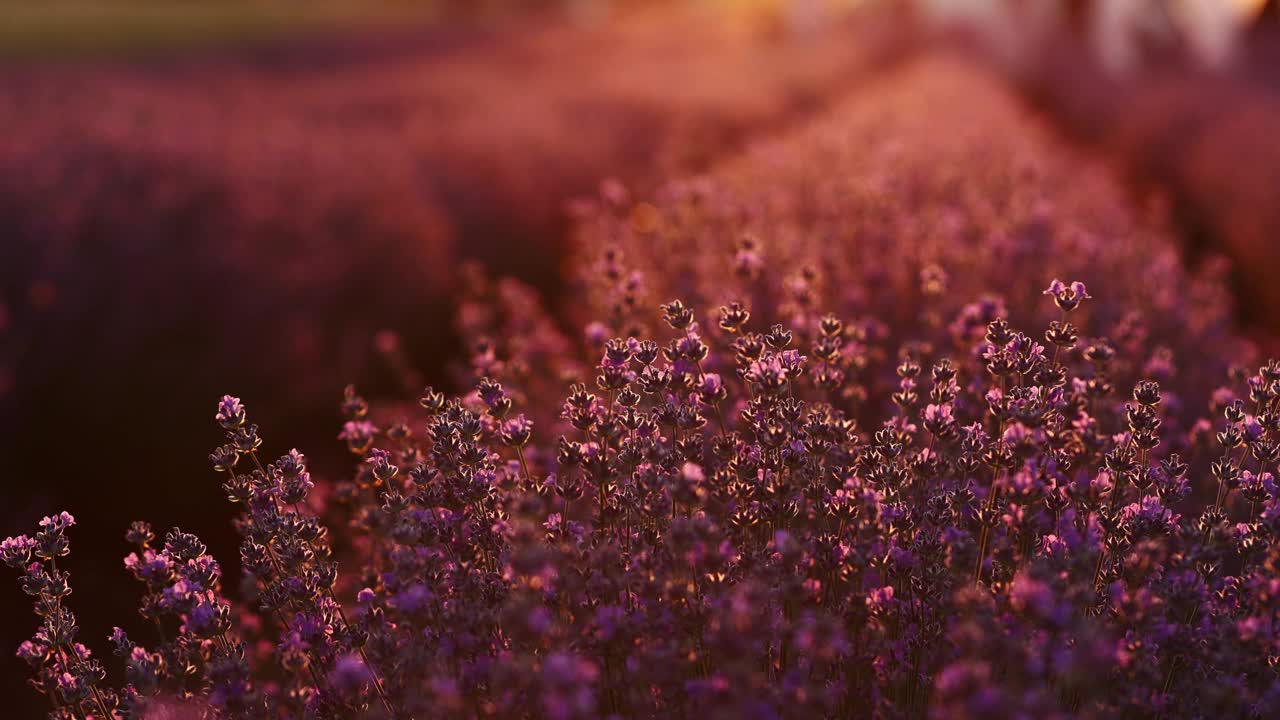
(1067, 297)
(231, 413)
(17, 551)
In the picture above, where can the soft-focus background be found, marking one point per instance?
(274, 199)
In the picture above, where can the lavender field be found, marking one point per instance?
(772, 360)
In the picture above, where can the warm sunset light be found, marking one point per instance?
(1248, 8)
(640, 359)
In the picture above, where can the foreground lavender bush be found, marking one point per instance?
(1017, 539)
(776, 477)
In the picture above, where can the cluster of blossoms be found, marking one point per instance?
(818, 478)
(714, 532)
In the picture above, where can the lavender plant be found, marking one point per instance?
(714, 533)
(804, 482)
